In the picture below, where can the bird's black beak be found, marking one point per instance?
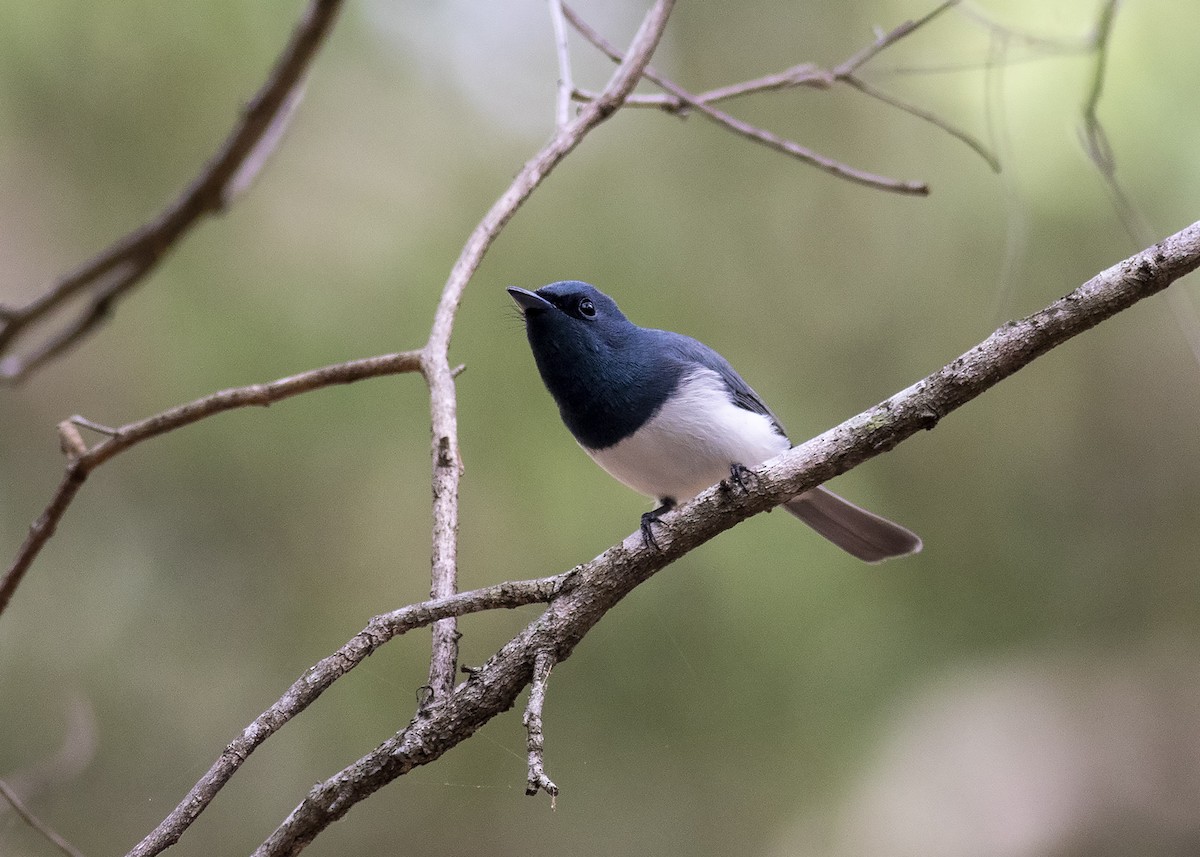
(529, 301)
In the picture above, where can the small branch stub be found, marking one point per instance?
(536, 742)
(71, 441)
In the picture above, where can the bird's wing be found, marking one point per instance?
(743, 395)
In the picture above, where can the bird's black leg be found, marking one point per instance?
(649, 519)
(741, 476)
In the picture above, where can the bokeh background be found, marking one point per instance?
(1029, 685)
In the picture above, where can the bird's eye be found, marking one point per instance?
(586, 307)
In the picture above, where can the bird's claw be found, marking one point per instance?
(742, 477)
(649, 519)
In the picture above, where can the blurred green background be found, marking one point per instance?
(1027, 685)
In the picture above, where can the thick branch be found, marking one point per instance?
(130, 259)
(601, 583)
(81, 460)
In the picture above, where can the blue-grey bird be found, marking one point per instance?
(669, 417)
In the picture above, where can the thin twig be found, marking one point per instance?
(562, 111)
(810, 75)
(1028, 38)
(805, 74)
(957, 133)
(996, 126)
(36, 823)
(318, 678)
(82, 460)
(435, 363)
(886, 40)
(41, 530)
(801, 75)
(1098, 149)
(76, 750)
(535, 742)
(1042, 47)
(752, 132)
(129, 260)
(99, 428)
(1094, 139)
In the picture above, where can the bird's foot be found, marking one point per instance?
(741, 477)
(649, 519)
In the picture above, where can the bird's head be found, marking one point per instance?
(570, 319)
(571, 299)
(585, 349)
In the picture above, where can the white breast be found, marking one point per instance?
(691, 442)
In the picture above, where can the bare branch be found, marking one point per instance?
(82, 460)
(76, 751)
(751, 132)
(810, 75)
(536, 739)
(1040, 47)
(1095, 140)
(435, 364)
(886, 40)
(562, 112)
(601, 583)
(1093, 136)
(129, 260)
(973, 142)
(36, 823)
(317, 679)
(257, 157)
(41, 530)
(1035, 41)
(805, 74)
(1096, 146)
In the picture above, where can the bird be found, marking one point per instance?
(669, 417)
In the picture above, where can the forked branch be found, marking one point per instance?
(677, 100)
(82, 459)
(318, 678)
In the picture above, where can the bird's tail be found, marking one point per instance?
(855, 530)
